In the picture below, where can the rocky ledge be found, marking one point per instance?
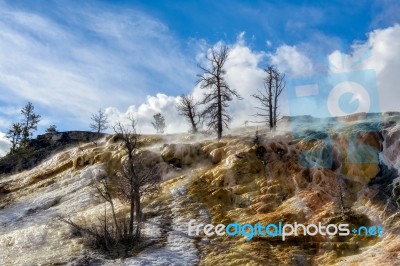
(42, 147)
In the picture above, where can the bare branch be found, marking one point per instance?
(219, 93)
(100, 122)
(274, 84)
(187, 107)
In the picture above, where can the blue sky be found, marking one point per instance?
(71, 58)
(289, 22)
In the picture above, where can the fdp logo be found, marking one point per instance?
(329, 98)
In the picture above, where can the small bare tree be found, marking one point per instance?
(105, 236)
(187, 107)
(219, 94)
(159, 123)
(99, 122)
(136, 179)
(274, 84)
(104, 188)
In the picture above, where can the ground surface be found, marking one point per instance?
(212, 182)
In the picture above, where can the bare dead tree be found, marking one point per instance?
(279, 86)
(274, 84)
(99, 122)
(265, 98)
(103, 187)
(136, 179)
(187, 107)
(219, 94)
(105, 235)
(130, 139)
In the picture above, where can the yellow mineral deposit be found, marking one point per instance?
(213, 182)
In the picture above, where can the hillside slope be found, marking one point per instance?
(233, 180)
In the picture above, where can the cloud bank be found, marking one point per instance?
(244, 72)
(381, 53)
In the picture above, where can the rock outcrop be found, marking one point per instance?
(42, 147)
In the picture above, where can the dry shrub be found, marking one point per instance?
(109, 238)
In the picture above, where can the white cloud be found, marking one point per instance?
(291, 61)
(143, 114)
(381, 53)
(385, 59)
(244, 74)
(4, 144)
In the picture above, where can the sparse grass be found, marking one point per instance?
(105, 238)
